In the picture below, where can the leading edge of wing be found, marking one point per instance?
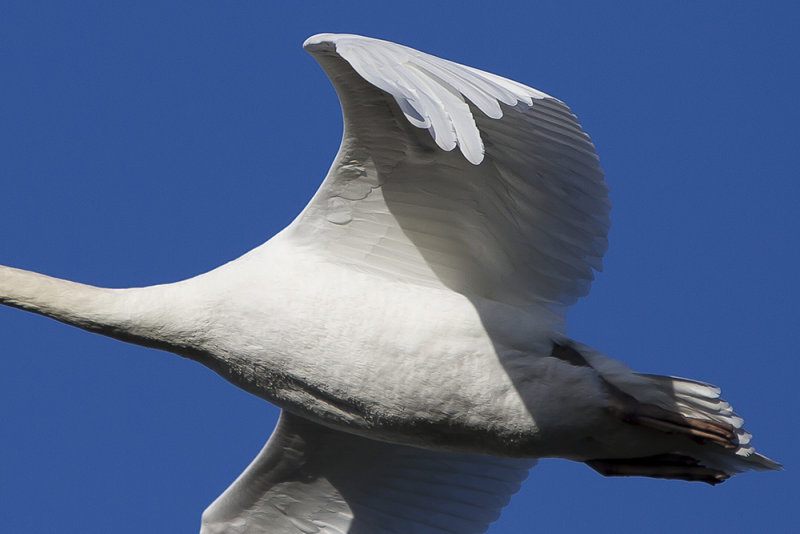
(430, 91)
(314, 480)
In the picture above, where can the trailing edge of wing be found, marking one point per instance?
(309, 479)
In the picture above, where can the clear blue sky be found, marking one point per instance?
(150, 141)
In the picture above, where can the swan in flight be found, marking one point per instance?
(409, 322)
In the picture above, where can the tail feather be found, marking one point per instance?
(708, 441)
(698, 400)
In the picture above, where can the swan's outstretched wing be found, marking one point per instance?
(311, 479)
(519, 214)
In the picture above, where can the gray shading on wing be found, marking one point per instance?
(518, 215)
(309, 479)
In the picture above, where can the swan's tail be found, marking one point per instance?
(717, 448)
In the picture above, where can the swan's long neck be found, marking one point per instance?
(146, 316)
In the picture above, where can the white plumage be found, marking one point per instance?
(409, 321)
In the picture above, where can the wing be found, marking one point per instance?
(518, 215)
(313, 480)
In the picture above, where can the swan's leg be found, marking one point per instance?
(673, 466)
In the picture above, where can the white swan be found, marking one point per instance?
(409, 321)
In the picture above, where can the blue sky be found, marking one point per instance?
(146, 142)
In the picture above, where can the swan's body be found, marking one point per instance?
(409, 321)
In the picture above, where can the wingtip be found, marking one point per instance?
(321, 42)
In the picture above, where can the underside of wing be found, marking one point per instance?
(519, 214)
(310, 479)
